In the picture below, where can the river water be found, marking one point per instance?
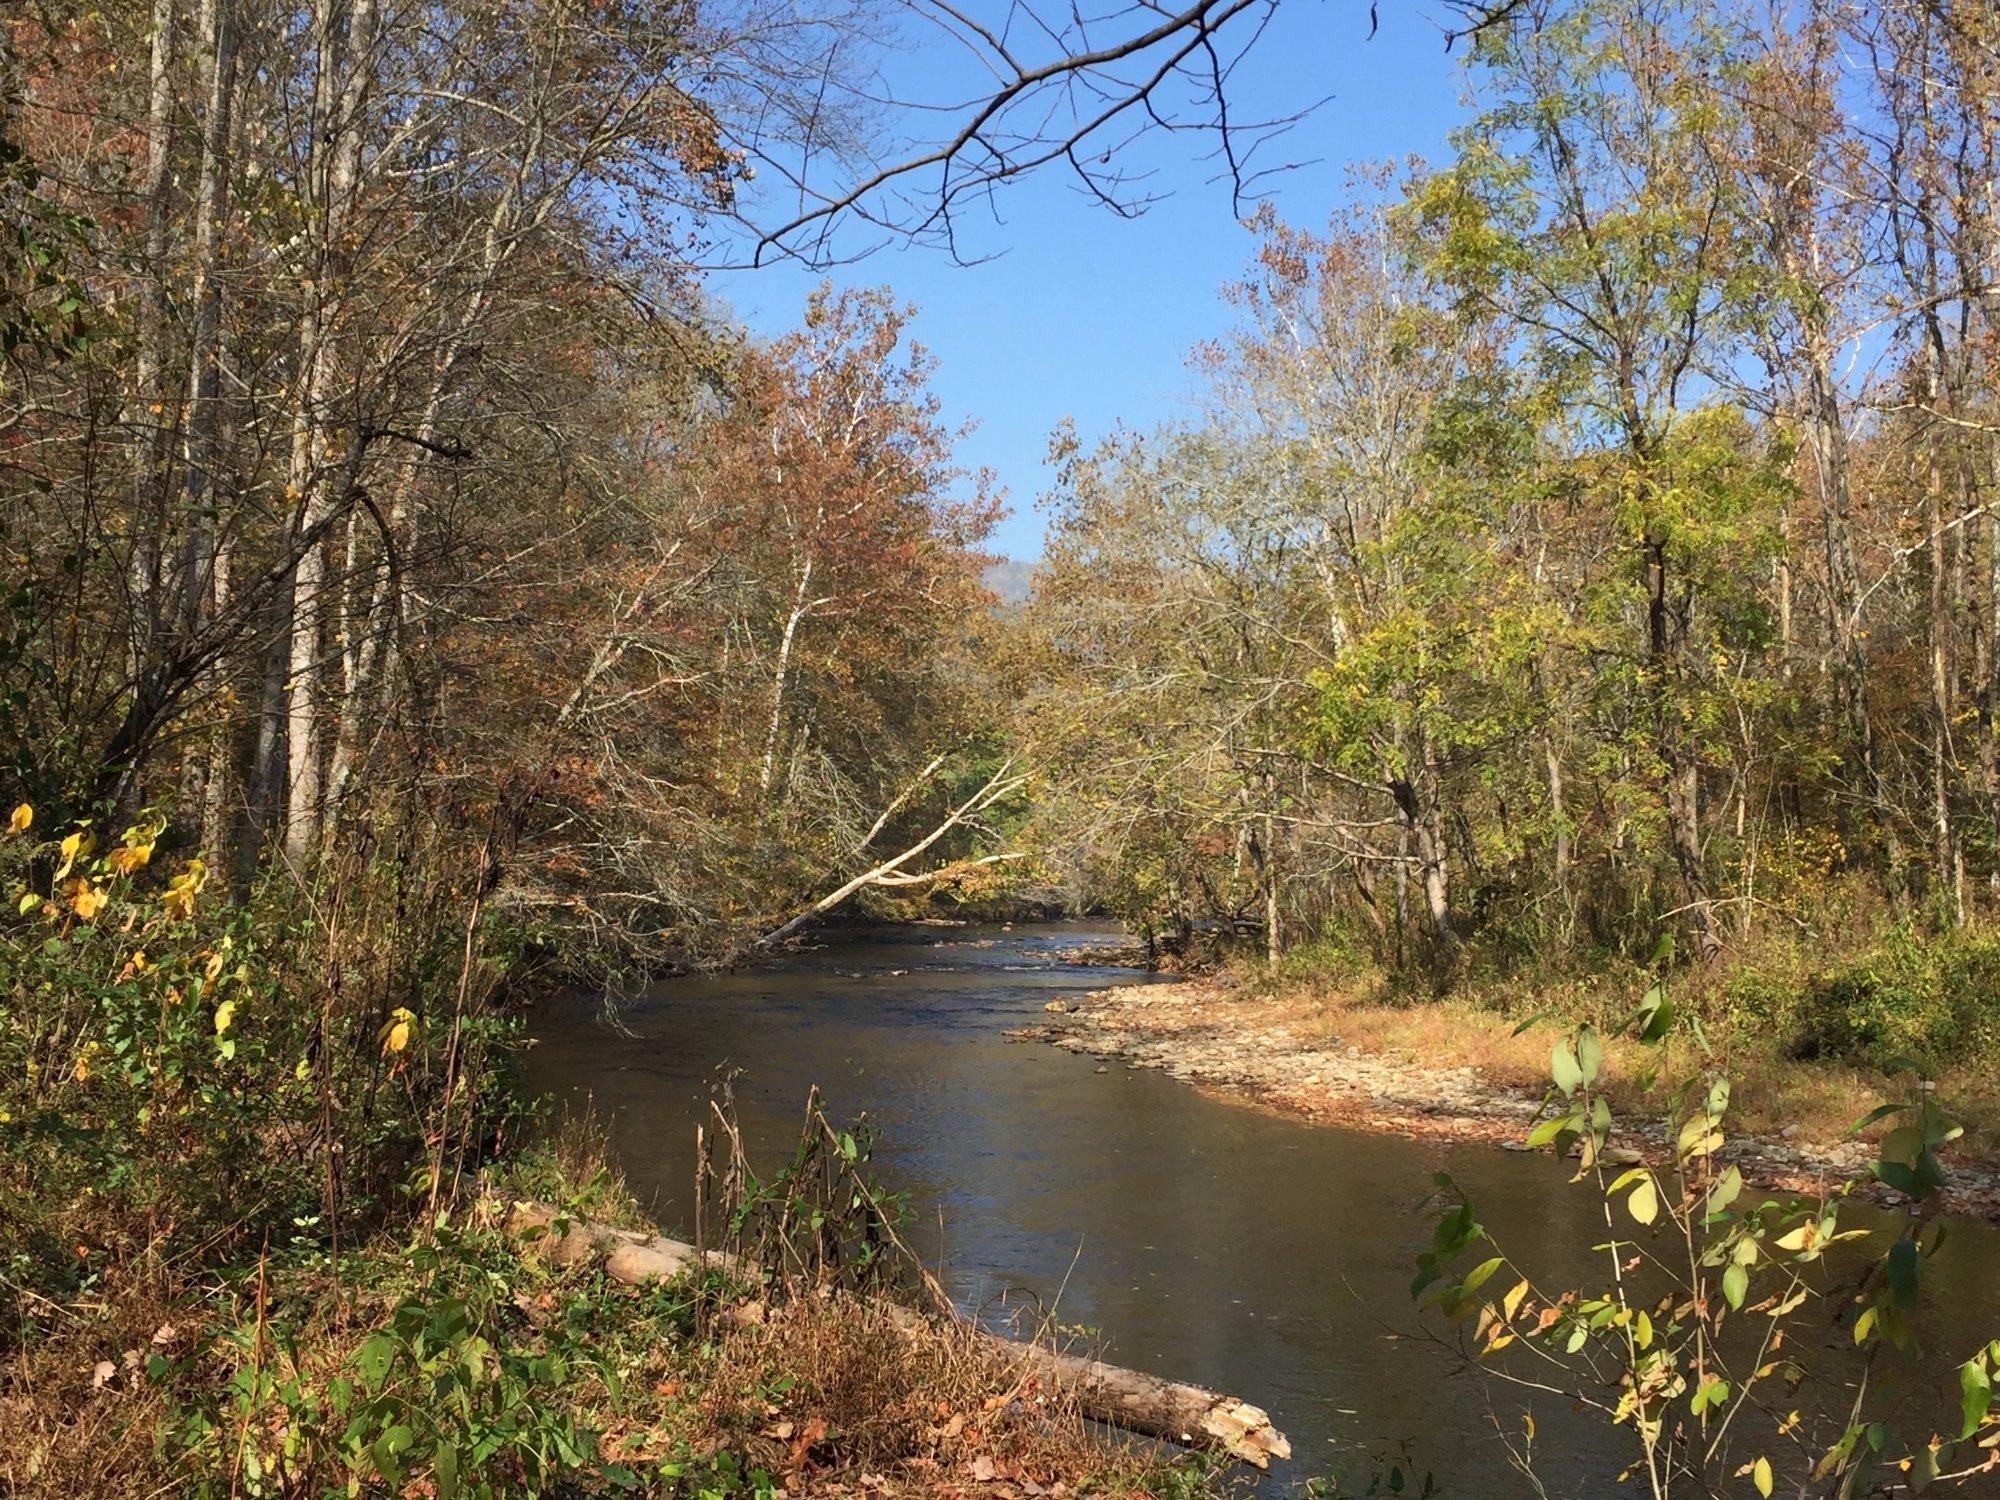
(1200, 1239)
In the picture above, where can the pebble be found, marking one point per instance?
(1172, 1028)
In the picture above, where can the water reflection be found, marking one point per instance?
(1207, 1241)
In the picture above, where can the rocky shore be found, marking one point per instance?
(1194, 1030)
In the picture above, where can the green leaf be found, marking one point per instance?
(1901, 1144)
(1589, 1053)
(1880, 1112)
(1644, 1203)
(1903, 1270)
(373, 1358)
(1726, 1190)
(1924, 1468)
(1659, 1022)
(1975, 1394)
(1563, 1067)
(1482, 1273)
(1735, 1285)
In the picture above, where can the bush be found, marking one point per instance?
(186, 1084)
(468, 1381)
(1933, 998)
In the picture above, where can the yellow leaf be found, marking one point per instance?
(82, 1068)
(395, 1034)
(87, 900)
(130, 857)
(1645, 1201)
(23, 818)
(1511, 1303)
(1760, 1475)
(224, 1014)
(75, 844)
(180, 893)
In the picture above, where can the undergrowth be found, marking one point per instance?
(239, 1254)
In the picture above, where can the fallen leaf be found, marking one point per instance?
(802, 1445)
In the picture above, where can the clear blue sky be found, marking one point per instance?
(1088, 315)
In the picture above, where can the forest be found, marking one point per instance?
(1577, 576)
(1585, 540)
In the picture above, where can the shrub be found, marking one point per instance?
(1912, 995)
(183, 1081)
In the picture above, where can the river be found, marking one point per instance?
(1202, 1239)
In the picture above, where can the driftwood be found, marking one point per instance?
(1143, 1404)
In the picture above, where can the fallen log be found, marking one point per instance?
(1144, 1404)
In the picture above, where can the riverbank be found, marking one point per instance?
(457, 1357)
(237, 1259)
(1446, 1070)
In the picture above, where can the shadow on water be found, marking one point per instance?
(1203, 1240)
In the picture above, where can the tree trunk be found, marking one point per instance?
(768, 774)
(204, 559)
(320, 497)
(264, 787)
(1558, 815)
(1681, 776)
(1989, 682)
(1944, 852)
(1423, 836)
(1826, 437)
(147, 416)
(1274, 930)
(219, 786)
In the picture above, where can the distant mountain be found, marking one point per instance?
(1012, 579)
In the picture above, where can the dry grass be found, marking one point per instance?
(833, 1397)
(70, 1427)
(824, 1394)
(1815, 1101)
(575, 1166)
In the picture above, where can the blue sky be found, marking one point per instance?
(1080, 313)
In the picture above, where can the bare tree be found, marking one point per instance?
(1032, 89)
